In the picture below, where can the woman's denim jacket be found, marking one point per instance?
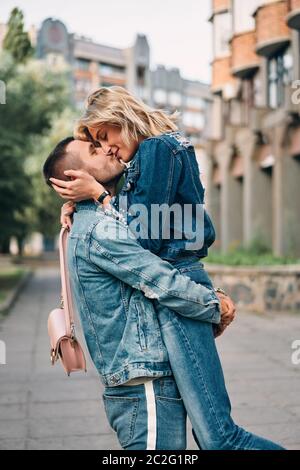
(164, 171)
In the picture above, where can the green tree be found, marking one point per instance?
(34, 93)
(16, 40)
(46, 202)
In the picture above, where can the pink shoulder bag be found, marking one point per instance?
(61, 327)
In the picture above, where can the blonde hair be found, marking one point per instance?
(116, 106)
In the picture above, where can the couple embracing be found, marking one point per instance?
(149, 311)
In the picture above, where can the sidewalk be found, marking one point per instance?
(41, 408)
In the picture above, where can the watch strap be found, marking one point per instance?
(103, 196)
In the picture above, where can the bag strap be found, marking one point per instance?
(66, 296)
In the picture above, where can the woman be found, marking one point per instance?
(162, 169)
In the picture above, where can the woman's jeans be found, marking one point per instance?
(198, 373)
(147, 416)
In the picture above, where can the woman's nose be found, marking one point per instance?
(106, 149)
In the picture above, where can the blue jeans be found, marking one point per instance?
(147, 416)
(198, 373)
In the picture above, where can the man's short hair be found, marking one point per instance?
(56, 163)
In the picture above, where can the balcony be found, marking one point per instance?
(222, 78)
(272, 32)
(293, 17)
(245, 61)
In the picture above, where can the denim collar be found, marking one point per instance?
(132, 172)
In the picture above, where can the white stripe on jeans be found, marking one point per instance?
(151, 411)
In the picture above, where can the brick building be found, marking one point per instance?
(253, 137)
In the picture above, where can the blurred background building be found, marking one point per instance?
(253, 133)
(245, 126)
(95, 65)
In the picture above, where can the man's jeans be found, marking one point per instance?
(147, 416)
(198, 373)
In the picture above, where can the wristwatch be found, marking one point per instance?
(103, 196)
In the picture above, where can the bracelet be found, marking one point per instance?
(218, 289)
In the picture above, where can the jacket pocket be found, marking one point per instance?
(141, 325)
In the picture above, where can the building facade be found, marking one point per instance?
(93, 65)
(253, 136)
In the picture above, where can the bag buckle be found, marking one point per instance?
(73, 336)
(53, 356)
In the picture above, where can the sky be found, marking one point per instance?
(178, 31)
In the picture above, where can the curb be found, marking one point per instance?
(12, 297)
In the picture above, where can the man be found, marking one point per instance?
(112, 277)
(106, 262)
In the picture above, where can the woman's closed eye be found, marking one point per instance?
(102, 137)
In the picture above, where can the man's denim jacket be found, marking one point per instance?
(114, 280)
(164, 171)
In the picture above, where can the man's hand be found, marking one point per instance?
(66, 214)
(228, 310)
(84, 186)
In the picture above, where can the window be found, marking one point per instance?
(258, 92)
(83, 86)
(143, 93)
(111, 69)
(160, 96)
(82, 64)
(191, 119)
(106, 84)
(222, 33)
(174, 98)
(195, 102)
(247, 95)
(141, 75)
(280, 69)
(242, 15)
(248, 92)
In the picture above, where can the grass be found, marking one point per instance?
(249, 257)
(9, 278)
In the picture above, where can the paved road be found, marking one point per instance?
(41, 408)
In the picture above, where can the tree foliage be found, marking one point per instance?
(46, 202)
(34, 94)
(16, 40)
